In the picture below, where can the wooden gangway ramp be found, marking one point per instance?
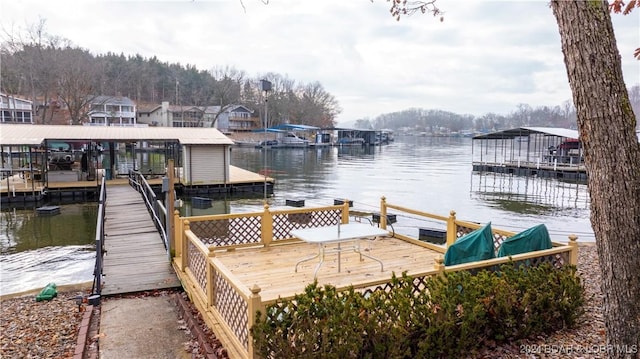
(135, 258)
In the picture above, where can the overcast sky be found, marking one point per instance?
(486, 56)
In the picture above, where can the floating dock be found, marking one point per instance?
(16, 191)
(48, 210)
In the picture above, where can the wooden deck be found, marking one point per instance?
(136, 259)
(20, 184)
(273, 268)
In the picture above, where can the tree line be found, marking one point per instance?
(429, 120)
(51, 70)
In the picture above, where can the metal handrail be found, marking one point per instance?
(137, 181)
(97, 271)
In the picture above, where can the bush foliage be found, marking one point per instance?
(456, 314)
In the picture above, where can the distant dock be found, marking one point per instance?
(545, 152)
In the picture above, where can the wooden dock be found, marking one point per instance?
(135, 258)
(18, 189)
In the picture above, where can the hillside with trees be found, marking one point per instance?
(50, 70)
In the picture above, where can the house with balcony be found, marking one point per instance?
(166, 115)
(233, 118)
(237, 118)
(15, 110)
(112, 111)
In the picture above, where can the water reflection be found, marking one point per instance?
(24, 229)
(529, 195)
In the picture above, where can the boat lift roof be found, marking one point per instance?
(35, 135)
(287, 127)
(526, 131)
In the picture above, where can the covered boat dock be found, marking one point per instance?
(35, 165)
(531, 151)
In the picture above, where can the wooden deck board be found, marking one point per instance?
(273, 268)
(132, 231)
(136, 259)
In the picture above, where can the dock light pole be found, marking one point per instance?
(265, 86)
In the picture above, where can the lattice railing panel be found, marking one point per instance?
(198, 265)
(497, 237)
(557, 260)
(228, 231)
(497, 241)
(284, 223)
(232, 307)
(462, 230)
(419, 285)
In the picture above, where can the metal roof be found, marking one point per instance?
(526, 131)
(112, 100)
(288, 126)
(14, 135)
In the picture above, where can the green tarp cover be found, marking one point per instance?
(533, 239)
(475, 246)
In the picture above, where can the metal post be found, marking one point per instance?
(170, 207)
(266, 87)
(264, 147)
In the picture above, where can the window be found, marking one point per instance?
(6, 116)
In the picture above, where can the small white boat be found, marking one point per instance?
(290, 139)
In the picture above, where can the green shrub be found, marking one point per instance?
(456, 314)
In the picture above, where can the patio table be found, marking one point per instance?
(351, 232)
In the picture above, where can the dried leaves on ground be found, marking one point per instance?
(47, 329)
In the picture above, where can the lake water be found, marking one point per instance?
(428, 174)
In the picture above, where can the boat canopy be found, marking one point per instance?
(526, 131)
(288, 127)
(35, 135)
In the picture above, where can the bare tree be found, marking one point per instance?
(226, 89)
(76, 79)
(32, 53)
(606, 124)
(612, 155)
(315, 106)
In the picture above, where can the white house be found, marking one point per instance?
(237, 118)
(233, 118)
(15, 110)
(112, 111)
(165, 115)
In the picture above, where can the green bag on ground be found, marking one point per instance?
(47, 293)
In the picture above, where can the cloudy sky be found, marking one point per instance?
(486, 56)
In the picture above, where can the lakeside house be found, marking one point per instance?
(112, 111)
(15, 110)
(232, 118)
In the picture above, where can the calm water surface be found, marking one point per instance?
(429, 174)
(39, 249)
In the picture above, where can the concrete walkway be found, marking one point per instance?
(147, 327)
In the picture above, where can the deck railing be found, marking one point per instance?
(97, 270)
(154, 204)
(229, 306)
